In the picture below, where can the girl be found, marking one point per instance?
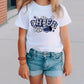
(43, 36)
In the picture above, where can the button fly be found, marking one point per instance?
(44, 53)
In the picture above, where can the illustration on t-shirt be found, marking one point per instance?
(43, 24)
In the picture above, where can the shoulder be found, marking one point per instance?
(63, 6)
(65, 19)
(23, 10)
(26, 8)
(64, 9)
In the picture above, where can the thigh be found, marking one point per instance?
(54, 80)
(36, 79)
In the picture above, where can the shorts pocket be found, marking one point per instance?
(29, 56)
(57, 56)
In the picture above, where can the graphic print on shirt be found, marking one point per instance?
(43, 24)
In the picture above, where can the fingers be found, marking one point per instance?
(25, 76)
(67, 73)
(64, 71)
(24, 72)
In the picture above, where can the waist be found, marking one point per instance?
(36, 52)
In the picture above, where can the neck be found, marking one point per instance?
(42, 2)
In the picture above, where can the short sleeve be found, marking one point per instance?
(22, 19)
(65, 20)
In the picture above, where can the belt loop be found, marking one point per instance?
(31, 51)
(51, 54)
(36, 53)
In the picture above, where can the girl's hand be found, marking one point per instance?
(24, 71)
(67, 68)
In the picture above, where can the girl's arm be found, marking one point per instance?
(23, 69)
(22, 43)
(66, 42)
(67, 49)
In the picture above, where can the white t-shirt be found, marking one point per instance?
(43, 27)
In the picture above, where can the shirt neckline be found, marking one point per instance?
(41, 6)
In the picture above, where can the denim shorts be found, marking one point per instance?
(48, 63)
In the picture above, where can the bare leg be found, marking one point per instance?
(54, 80)
(36, 79)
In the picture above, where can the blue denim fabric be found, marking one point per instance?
(49, 63)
